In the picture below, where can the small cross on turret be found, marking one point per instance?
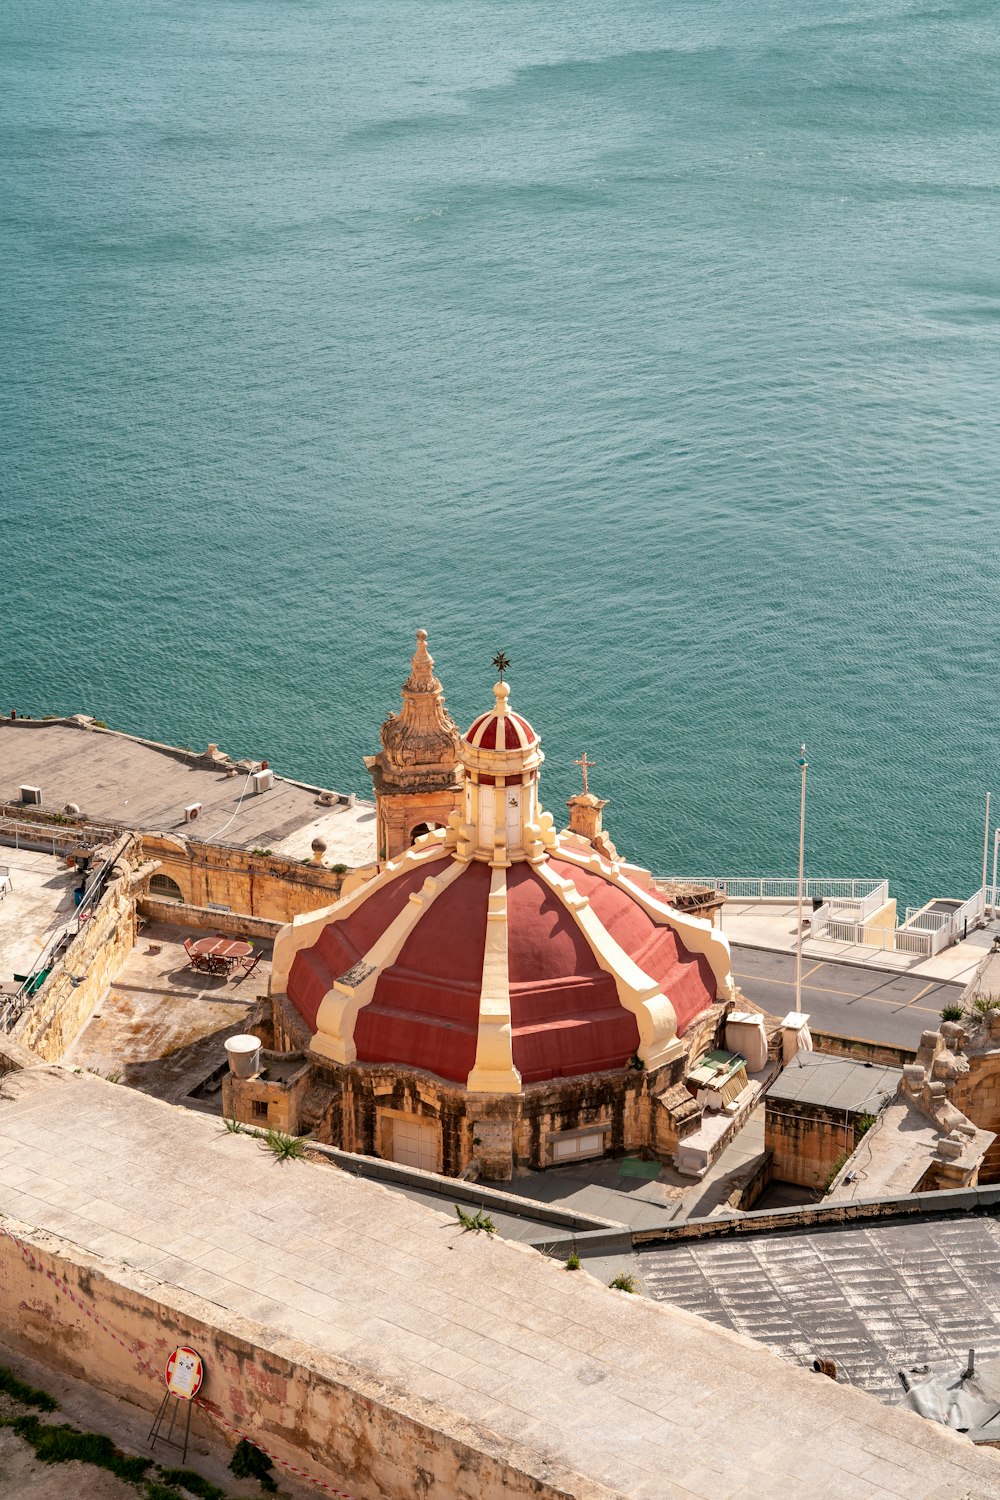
(585, 766)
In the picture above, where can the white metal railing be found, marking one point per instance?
(781, 888)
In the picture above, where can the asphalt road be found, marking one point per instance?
(868, 1003)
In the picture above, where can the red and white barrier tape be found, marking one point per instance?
(155, 1374)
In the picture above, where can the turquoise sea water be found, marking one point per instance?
(656, 343)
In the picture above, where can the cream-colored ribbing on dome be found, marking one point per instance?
(494, 1071)
(637, 991)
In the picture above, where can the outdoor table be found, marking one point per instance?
(230, 949)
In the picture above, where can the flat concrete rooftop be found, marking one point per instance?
(37, 903)
(116, 778)
(598, 1387)
(162, 1027)
(836, 1083)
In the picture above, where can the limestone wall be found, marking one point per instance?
(90, 964)
(257, 885)
(497, 1130)
(977, 1094)
(807, 1141)
(298, 1404)
(861, 1050)
(204, 918)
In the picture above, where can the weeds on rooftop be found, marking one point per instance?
(624, 1282)
(285, 1147)
(952, 1013)
(477, 1222)
(834, 1171)
(233, 1125)
(572, 1261)
(984, 1005)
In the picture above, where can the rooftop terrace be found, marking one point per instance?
(132, 783)
(37, 903)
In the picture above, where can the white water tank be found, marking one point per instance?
(244, 1055)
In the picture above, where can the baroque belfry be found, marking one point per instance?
(417, 775)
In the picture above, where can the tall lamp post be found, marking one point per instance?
(986, 851)
(996, 843)
(804, 766)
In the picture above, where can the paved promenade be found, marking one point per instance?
(771, 925)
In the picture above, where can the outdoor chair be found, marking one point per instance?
(248, 965)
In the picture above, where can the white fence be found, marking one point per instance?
(782, 888)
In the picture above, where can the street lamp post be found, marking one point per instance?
(804, 766)
(996, 843)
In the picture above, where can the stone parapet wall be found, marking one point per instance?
(861, 1050)
(807, 1141)
(309, 1410)
(60, 1009)
(205, 918)
(269, 886)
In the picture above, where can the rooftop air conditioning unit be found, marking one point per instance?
(31, 794)
(192, 812)
(262, 781)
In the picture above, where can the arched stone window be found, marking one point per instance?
(167, 889)
(420, 829)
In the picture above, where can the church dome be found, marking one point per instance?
(496, 953)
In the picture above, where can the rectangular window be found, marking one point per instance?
(260, 1109)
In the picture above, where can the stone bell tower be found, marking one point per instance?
(417, 774)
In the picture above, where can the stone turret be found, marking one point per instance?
(417, 775)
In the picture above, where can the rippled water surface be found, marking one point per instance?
(656, 343)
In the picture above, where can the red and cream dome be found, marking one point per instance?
(496, 953)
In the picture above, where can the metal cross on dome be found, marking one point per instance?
(585, 766)
(502, 663)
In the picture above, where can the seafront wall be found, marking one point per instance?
(114, 1327)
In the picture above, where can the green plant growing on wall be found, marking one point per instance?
(572, 1261)
(862, 1125)
(249, 1462)
(834, 1171)
(983, 1005)
(952, 1013)
(263, 853)
(624, 1282)
(477, 1222)
(285, 1147)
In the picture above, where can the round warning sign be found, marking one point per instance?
(184, 1373)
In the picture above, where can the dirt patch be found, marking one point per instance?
(22, 1477)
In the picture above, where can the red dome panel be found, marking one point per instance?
(425, 1012)
(685, 978)
(342, 943)
(566, 1017)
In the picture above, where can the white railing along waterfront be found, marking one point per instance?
(786, 888)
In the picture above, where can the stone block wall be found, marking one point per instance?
(89, 965)
(256, 885)
(204, 919)
(267, 1103)
(299, 1404)
(806, 1141)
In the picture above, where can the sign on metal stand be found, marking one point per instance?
(182, 1376)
